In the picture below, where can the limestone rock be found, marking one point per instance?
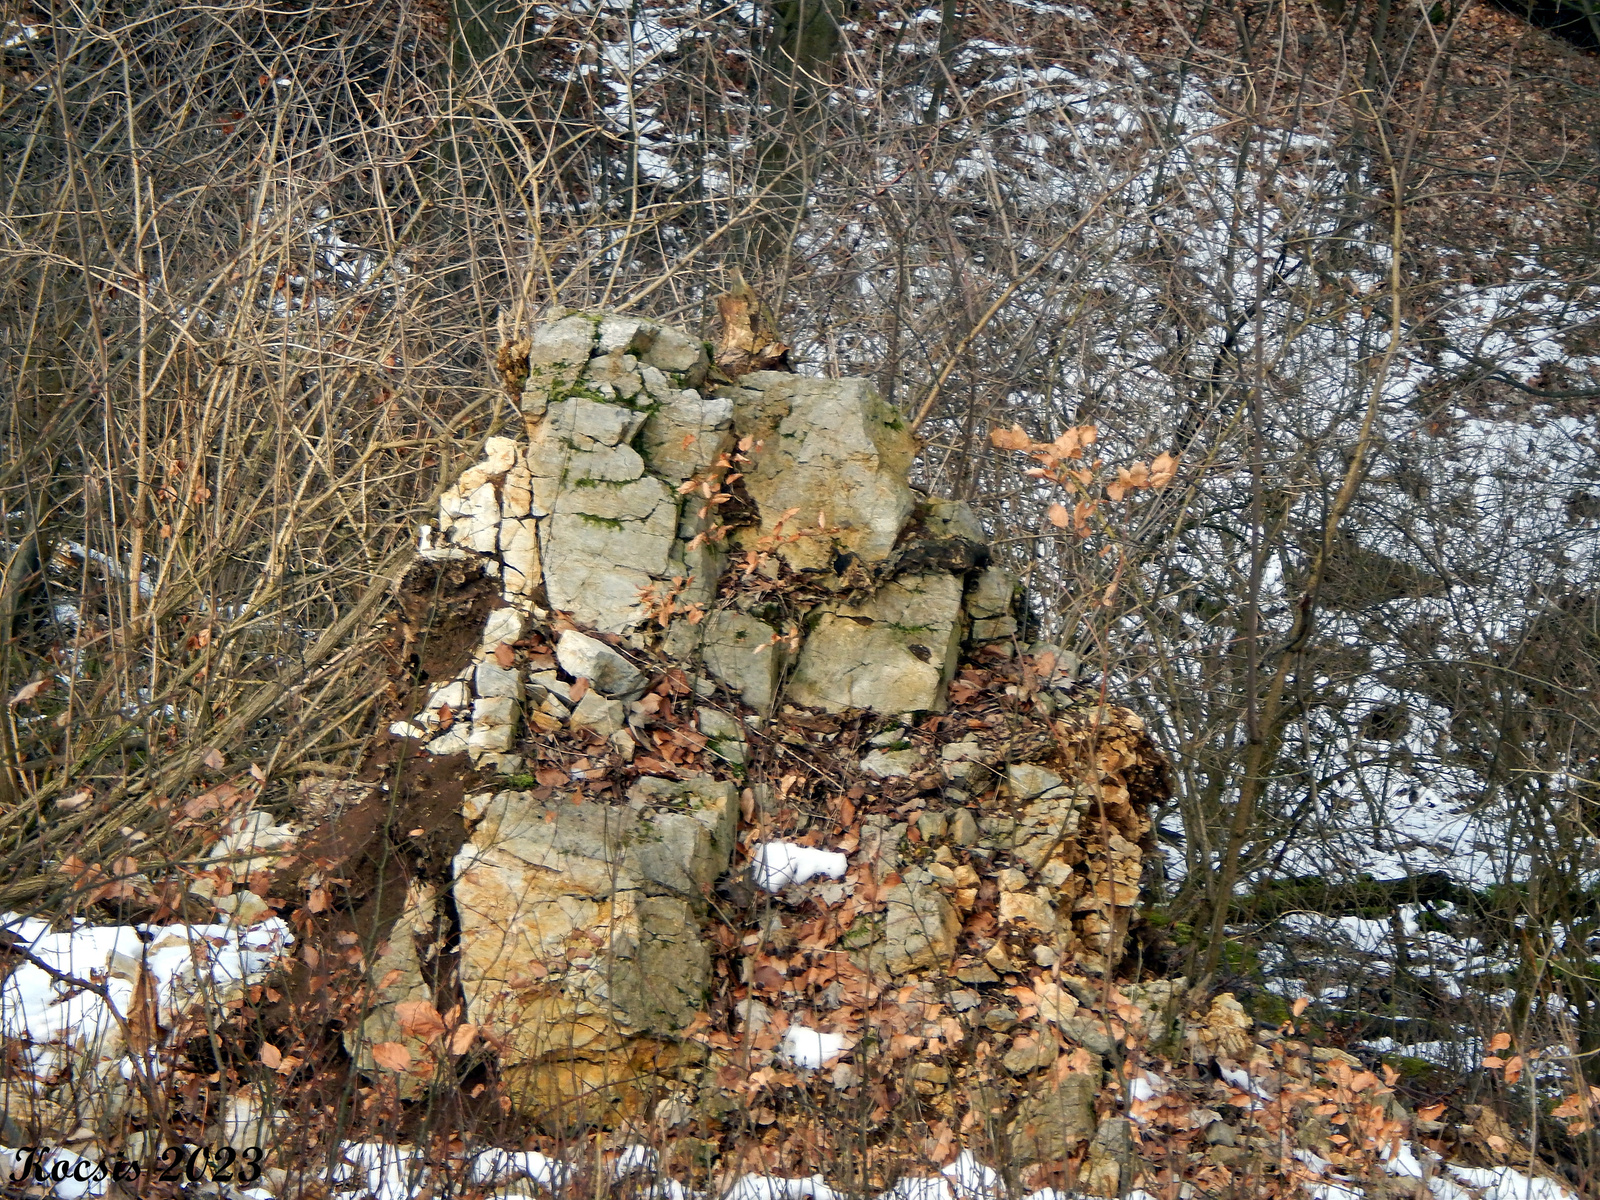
(1055, 1120)
(494, 726)
(893, 654)
(503, 627)
(691, 832)
(725, 734)
(919, 930)
(602, 545)
(943, 519)
(1028, 780)
(454, 740)
(584, 424)
(1029, 1053)
(829, 446)
(1227, 1030)
(519, 558)
(557, 355)
(1110, 1158)
(886, 764)
(1031, 908)
(963, 829)
(630, 335)
(990, 602)
(608, 672)
(729, 650)
(566, 342)
(396, 978)
(676, 351)
(580, 946)
(583, 949)
(605, 717)
(491, 679)
(686, 434)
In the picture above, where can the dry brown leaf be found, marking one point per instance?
(1011, 439)
(75, 801)
(1163, 469)
(419, 1019)
(28, 691)
(391, 1056)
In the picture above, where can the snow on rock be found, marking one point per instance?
(810, 1047)
(778, 864)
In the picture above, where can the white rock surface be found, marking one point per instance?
(607, 671)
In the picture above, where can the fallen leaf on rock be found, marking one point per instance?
(391, 1056)
(419, 1019)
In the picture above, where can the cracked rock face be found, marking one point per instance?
(895, 653)
(580, 935)
(830, 447)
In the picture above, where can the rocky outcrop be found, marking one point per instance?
(613, 514)
(724, 630)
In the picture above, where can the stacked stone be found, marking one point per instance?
(588, 515)
(580, 924)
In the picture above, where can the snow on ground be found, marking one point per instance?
(74, 990)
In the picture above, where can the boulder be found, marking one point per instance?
(686, 434)
(829, 447)
(919, 930)
(990, 604)
(1056, 1119)
(609, 673)
(557, 355)
(580, 946)
(894, 653)
(730, 640)
(602, 546)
